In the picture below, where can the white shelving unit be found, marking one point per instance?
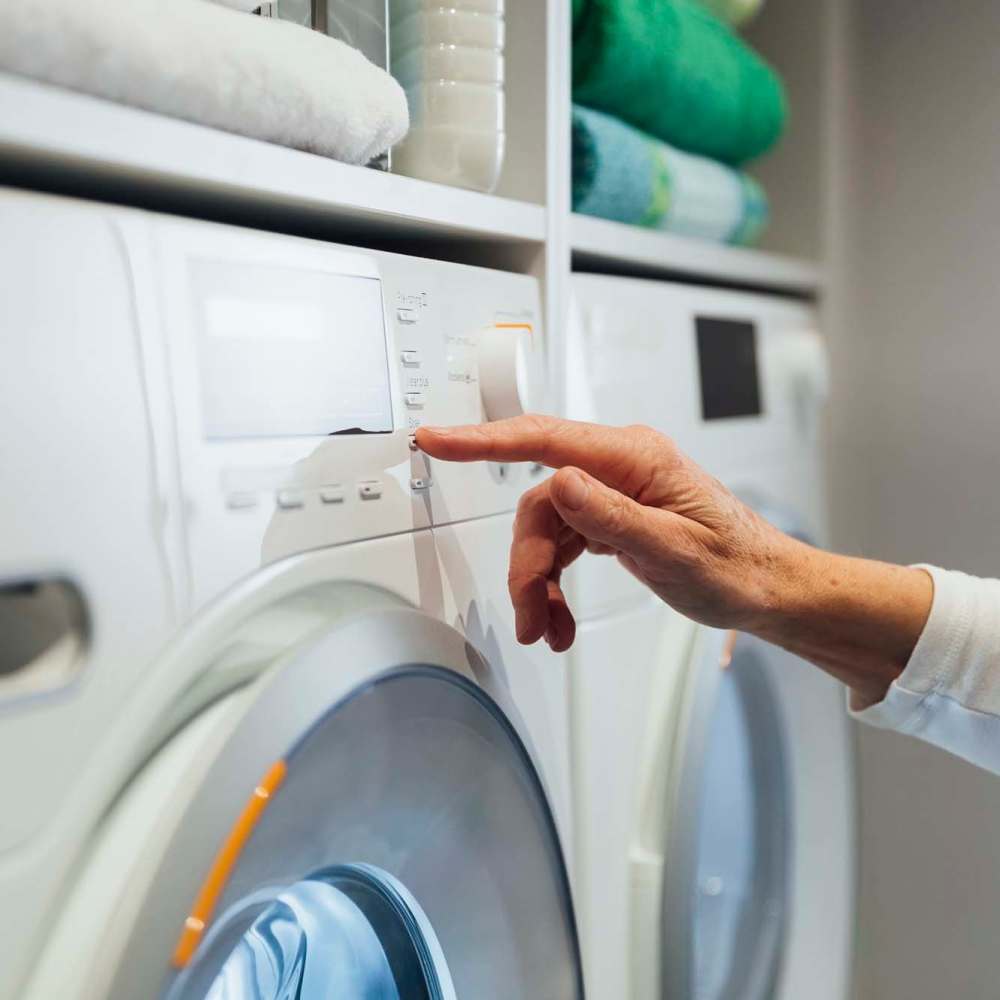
(45, 127)
(58, 140)
(599, 245)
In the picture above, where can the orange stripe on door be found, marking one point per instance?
(515, 326)
(225, 861)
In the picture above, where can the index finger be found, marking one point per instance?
(602, 451)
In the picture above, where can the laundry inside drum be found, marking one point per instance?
(349, 932)
(409, 854)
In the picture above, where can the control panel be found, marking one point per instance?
(300, 372)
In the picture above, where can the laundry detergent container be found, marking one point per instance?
(450, 62)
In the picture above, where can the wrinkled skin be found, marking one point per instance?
(631, 493)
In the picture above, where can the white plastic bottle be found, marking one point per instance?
(449, 58)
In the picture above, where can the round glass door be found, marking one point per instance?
(349, 931)
(409, 854)
(726, 892)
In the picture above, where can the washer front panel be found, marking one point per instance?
(416, 773)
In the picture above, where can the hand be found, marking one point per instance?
(631, 493)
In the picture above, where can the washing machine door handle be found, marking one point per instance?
(44, 629)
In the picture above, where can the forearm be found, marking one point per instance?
(857, 619)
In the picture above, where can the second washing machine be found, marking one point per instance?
(713, 774)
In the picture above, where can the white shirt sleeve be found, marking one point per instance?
(949, 693)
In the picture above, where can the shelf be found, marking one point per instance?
(101, 149)
(613, 247)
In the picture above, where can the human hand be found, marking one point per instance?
(628, 492)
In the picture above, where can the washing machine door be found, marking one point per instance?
(372, 826)
(726, 893)
(726, 890)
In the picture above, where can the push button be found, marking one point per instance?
(331, 494)
(415, 400)
(418, 484)
(291, 499)
(241, 501)
(410, 358)
(370, 490)
(407, 315)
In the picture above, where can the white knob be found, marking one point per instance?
(510, 370)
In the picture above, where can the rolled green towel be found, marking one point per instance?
(674, 70)
(623, 175)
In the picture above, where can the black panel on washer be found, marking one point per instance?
(727, 363)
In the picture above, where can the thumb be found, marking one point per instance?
(604, 515)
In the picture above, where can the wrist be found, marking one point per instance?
(856, 618)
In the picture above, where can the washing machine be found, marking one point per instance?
(713, 773)
(266, 727)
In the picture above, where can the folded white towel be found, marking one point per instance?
(263, 78)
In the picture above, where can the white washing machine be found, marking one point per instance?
(713, 773)
(266, 728)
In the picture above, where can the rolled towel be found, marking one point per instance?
(621, 174)
(674, 70)
(259, 77)
(734, 12)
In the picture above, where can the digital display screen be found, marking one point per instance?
(727, 363)
(288, 352)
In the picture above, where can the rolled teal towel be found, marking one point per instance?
(621, 174)
(674, 70)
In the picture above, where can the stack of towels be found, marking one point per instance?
(669, 104)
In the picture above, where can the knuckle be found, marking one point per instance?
(541, 428)
(615, 515)
(539, 420)
(521, 583)
(654, 443)
(645, 434)
(542, 424)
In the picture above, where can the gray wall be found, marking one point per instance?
(916, 447)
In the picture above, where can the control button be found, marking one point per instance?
(370, 491)
(418, 483)
(407, 315)
(331, 494)
(412, 442)
(291, 499)
(241, 501)
(414, 399)
(499, 471)
(410, 358)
